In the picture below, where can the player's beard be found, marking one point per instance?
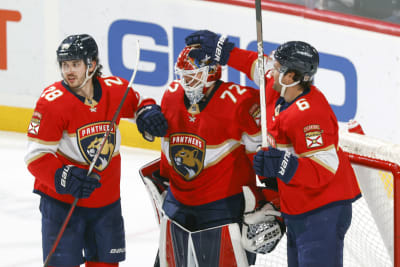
(74, 82)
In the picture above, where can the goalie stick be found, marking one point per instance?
(96, 156)
(261, 73)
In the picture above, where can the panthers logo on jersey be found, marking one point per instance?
(187, 153)
(89, 139)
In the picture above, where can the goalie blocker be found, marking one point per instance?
(261, 231)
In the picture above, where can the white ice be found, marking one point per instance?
(20, 226)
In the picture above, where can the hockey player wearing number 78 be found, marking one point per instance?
(68, 124)
(316, 182)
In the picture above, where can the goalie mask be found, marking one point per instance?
(196, 76)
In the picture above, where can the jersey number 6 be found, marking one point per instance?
(302, 104)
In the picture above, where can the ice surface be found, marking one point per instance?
(20, 226)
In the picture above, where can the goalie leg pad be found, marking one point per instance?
(213, 247)
(219, 246)
(173, 244)
(156, 186)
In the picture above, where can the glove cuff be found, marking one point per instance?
(147, 108)
(61, 177)
(288, 167)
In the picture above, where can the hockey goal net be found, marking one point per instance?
(374, 235)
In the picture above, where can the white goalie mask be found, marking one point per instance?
(195, 76)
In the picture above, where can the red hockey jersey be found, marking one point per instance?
(67, 129)
(308, 128)
(205, 153)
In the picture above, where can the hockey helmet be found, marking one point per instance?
(75, 47)
(196, 75)
(299, 56)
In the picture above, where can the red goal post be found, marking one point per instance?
(373, 238)
(384, 157)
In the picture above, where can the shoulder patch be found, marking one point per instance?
(34, 124)
(313, 136)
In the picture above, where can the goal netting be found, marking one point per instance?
(373, 238)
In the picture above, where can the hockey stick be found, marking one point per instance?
(96, 156)
(261, 73)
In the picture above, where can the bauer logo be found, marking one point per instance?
(90, 138)
(117, 250)
(187, 153)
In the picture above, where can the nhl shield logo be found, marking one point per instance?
(187, 153)
(89, 141)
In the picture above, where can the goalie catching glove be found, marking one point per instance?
(261, 230)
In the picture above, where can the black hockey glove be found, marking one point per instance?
(275, 163)
(151, 122)
(212, 45)
(74, 181)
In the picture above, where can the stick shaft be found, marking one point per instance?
(114, 119)
(261, 72)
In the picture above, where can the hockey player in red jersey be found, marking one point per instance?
(317, 184)
(206, 156)
(69, 121)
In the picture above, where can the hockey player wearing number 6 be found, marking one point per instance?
(66, 130)
(316, 182)
(206, 160)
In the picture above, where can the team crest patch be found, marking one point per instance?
(34, 124)
(187, 153)
(255, 112)
(89, 140)
(313, 135)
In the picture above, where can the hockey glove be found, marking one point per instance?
(151, 122)
(74, 181)
(261, 230)
(212, 45)
(275, 163)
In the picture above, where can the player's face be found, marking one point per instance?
(286, 79)
(74, 72)
(275, 73)
(192, 80)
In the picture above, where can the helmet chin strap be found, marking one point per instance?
(284, 86)
(88, 76)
